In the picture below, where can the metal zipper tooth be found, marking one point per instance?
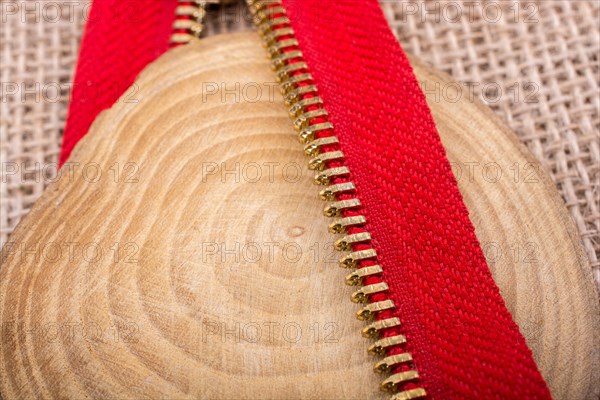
(267, 27)
(257, 5)
(314, 148)
(336, 208)
(303, 120)
(299, 106)
(373, 330)
(318, 163)
(188, 25)
(391, 383)
(195, 11)
(294, 95)
(276, 34)
(292, 82)
(181, 38)
(278, 46)
(282, 74)
(264, 14)
(345, 243)
(342, 224)
(385, 366)
(351, 260)
(291, 71)
(367, 313)
(279, 61)
(362, 295)
(379, 347)
(355, 278)
(409, 394)
(308, 133)
(327, 175)
(332, 191)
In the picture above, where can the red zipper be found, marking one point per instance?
(189, 21)
(460, 336)
(314, 129)
(120, 39)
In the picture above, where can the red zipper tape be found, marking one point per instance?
(462, 338)
(120, 39)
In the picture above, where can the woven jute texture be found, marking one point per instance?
(536, 64)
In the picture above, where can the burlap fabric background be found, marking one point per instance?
(536, 64)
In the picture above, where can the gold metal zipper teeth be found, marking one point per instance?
(280, 61)
(278, 46)
(284, 72)
(308, 133)
(341, 225)
(356, 277)
(336, 208)
(385, 366)
(345, 243)
(373, 330)
(362, 295)
(318, 163)
(257, 6)
(310, 118)
(326, 176)
(272, 37)
(188, 24)
(410, 394)
(192, 11)
(266, 27)
(291, 83)
(351, 260)
(331, 192)
(293, 95)
(265, 14)
(378, 348)
(313, 148)
(297, 108)
(303, 120)
(367, 313)
(391, 383)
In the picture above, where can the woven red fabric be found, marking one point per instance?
(463, 339)
(121, 38)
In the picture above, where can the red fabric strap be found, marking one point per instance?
(463, 340)
(120, 39)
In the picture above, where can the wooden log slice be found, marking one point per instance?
(183, 252)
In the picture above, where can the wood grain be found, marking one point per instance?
(216, 277)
